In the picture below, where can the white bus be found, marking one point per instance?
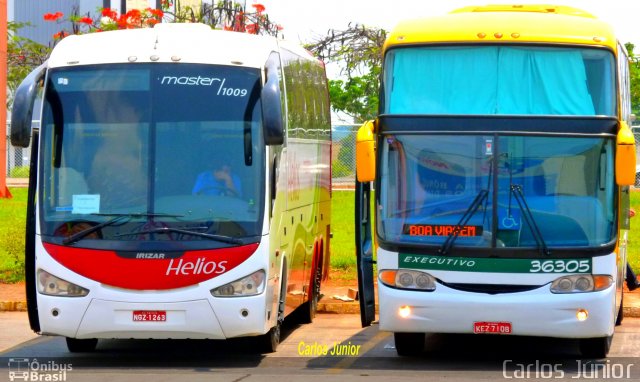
(180, 185)
(502, 159)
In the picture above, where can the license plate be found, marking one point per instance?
(492, 327)
(149, 315)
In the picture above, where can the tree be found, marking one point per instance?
(358, 50)
(634, 71)
(23, 55)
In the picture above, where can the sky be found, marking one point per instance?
(305, 19)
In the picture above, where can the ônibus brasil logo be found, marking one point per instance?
(24, 369)
(201, 266)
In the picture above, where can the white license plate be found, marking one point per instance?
(150, 315)
(492, 327)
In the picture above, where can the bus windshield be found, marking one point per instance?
(506, 80)
(500, 190)
(174, 151)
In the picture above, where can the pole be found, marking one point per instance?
(4, 191)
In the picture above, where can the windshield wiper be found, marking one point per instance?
(116, 218)
(516, 189)
(471, 210)
(168, 230)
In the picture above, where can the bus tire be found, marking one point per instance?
(408, 344)
(595, 347)
(268, 343)
(620, 311)
(310, 308)
(76, 345)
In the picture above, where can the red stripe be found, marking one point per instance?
(108, 268)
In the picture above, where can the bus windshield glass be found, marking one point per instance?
(505, 80)
(496, 191)
(172, 151)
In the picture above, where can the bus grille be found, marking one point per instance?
(491, 288)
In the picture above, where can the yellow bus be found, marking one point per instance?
(502, 159)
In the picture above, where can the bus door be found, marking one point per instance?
(364, 253)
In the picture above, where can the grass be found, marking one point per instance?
(343, 247)
(343, 258)
(633, 246)
(13, 218)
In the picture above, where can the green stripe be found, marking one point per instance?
(468, 264)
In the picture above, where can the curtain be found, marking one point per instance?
(489, 80)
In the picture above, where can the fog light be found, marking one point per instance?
(582, 314)
(404, 311)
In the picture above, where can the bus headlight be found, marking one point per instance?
(408, 279)
(581, 283)
(247, 286)
(54, 286)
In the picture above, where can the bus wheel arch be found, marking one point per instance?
(268, 342)
(310, 307)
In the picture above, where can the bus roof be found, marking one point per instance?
(506, 24)
(167, 42)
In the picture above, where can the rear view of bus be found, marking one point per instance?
(159, 188)
(503, 157)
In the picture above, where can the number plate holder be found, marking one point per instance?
(483, 327)
(149, 315)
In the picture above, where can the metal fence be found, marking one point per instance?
(17, 158)
(343, 158)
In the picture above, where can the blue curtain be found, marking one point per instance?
(489, 80)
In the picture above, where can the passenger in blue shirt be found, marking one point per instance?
(218, 182)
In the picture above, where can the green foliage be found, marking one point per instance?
(357, 96)
(634, 71)
(358, 51)
(23, 55)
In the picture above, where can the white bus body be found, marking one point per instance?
(180, 185)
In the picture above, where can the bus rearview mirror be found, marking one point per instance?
(625, 156)
(23, 102)
(366, 152)
(272, 109)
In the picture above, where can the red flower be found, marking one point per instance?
(252, 28)
(110, 13)
(86, 20)
(156, 12)
(52, 16)
(259, 7)
(60, 35)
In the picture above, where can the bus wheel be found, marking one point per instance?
(409, 343)
(268, 343)
(76, 345)
(595, 347)
(271, 340)
(620, 310)
(310, 308)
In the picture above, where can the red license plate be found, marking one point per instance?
(492, 327)
(149, 315)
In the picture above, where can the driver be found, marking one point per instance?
(218, 182)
